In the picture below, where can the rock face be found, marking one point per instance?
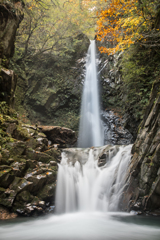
(113, 96)
(114, 131)
(11, 14)
(123, 79)
(28, 166)
(143, 191)
(59, 135)
(8, 85)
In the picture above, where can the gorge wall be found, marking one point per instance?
(143, 190)
(11, 14)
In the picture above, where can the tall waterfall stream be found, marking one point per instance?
(90, 130)
(89, 187)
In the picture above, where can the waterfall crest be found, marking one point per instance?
(90, 129)
(83, 186)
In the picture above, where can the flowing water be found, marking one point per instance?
(89, 186)
(90, 130)
(83, 186)
(87, 195)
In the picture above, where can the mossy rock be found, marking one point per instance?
(51, 176)
(39, 156)
(17, 148)
(38, 181)
(25, 185)
(21, 133)
(31, 164)
(53, 153)
(31, 143)
(5, 153)
(47, 192)
(6, 178)
(24, 196)
(15, 183)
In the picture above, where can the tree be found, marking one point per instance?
(48, 25)
(124, 22)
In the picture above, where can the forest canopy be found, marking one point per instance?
(49, 25)
(125, 22)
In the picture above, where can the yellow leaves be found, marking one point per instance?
(120, 23)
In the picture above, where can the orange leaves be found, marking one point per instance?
(118, 23)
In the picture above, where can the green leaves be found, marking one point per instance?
(138, 71)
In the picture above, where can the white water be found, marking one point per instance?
(90, 130)
(87, 187)
(81, 226)
(92, 191)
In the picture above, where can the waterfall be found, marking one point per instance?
(90, 130)
(84, 186)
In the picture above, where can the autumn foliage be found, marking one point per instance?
(122, 22)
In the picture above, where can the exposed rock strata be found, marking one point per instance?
(143, 191)
(11, 14)
(114, 130)
(59, 135)
(28, 168)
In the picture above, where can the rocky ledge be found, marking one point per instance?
(28, 167)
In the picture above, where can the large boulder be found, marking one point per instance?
(27, 173)
(59, 135)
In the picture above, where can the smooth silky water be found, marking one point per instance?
(87, 202)
(90, 129)
(87, 196)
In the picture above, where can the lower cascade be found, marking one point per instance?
(92, 179)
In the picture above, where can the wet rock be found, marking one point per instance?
(38, 182)
(18, 148)
(47, 193)
(25, 185)
(53, 152)
(143, 174)
(53, 163)
(31, 164)
(114, 131)
(42, 141)
(24, 196)
(59, 135)
(7, 198)
(39, 156)
(6, 178)
(51, 176)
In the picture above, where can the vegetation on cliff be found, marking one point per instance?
(48, 59)
(128, 32)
